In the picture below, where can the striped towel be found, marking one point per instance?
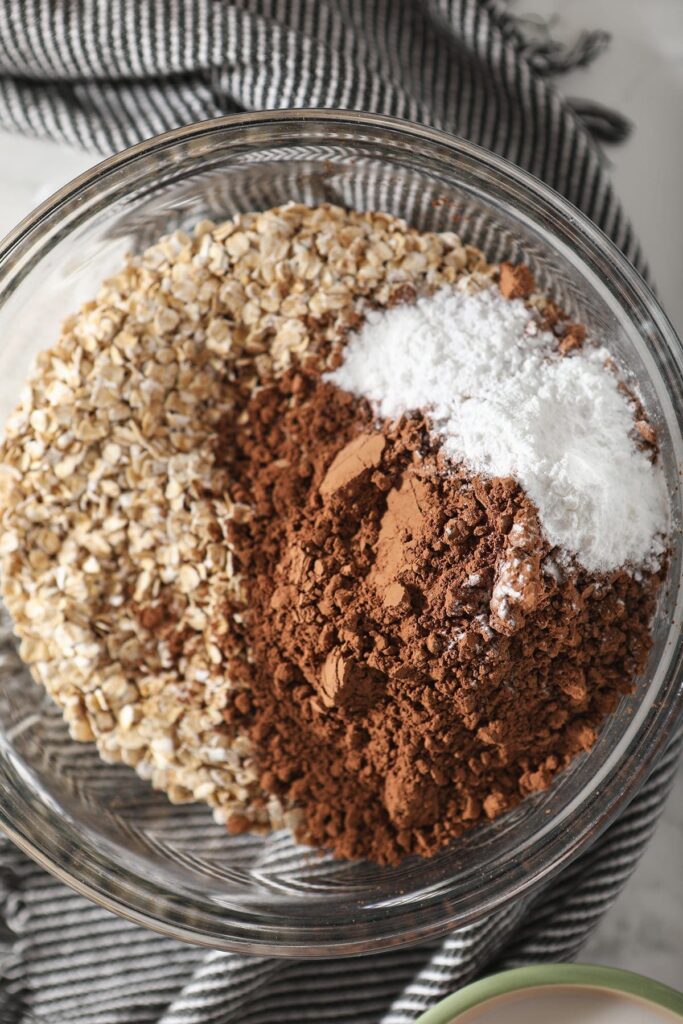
(103, 74)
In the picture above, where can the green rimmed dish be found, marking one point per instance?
(488, 992)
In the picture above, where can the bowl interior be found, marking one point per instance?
(170, 866)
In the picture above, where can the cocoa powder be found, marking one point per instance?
(416, 660)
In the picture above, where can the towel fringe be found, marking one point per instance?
(602, 122)
(549, 57)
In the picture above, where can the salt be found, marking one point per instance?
(506, 403)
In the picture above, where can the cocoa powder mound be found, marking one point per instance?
(413, 658)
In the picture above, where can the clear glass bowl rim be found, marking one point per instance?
(133, 897)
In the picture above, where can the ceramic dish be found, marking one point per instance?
(567, 992)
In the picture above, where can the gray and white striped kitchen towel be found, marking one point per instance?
(103, 74)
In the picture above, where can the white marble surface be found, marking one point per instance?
(641, 75)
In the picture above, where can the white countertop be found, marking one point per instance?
(642, 76)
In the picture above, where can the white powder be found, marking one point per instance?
(507, 403)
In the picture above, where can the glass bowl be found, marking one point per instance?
(104, 831)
